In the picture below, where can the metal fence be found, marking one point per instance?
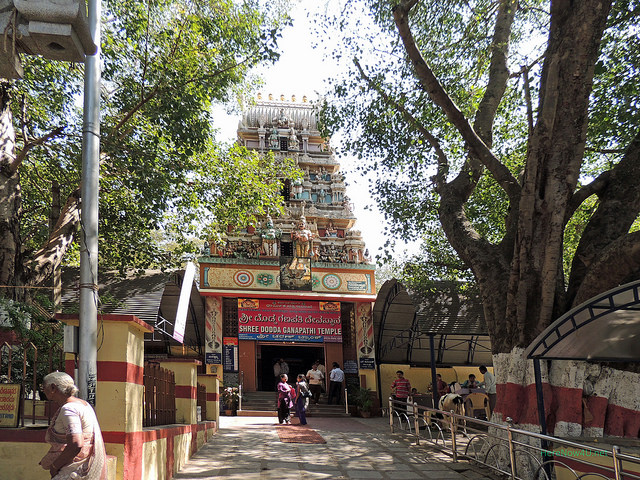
(26, 365)
(159, 396)
(516, 453)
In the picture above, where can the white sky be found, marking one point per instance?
(302, 70)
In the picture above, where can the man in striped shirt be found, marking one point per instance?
(400, 388)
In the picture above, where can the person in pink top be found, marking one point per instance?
(285, 402)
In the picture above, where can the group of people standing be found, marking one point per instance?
(308, 388)
(401, 387)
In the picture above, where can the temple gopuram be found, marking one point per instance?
(297, 287)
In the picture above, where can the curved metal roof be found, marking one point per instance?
(404, 321)
(604, 328)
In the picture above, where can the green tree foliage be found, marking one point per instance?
(507, 135)
(165, 63)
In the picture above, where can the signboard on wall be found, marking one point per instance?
(230, 354)
(289, 320)
(9, 404)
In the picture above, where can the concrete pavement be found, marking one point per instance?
(249, 448)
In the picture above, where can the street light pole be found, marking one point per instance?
(88, 334)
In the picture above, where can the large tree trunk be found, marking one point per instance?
(11, 209)
(16, 270)
(521, 279)
(556, 151)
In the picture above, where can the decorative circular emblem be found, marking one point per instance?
(243, 278)
(331, 281)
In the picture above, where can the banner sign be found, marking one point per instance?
(183, 302)
(364, 336)
(213, 330)
(9, 404)
(289, 320)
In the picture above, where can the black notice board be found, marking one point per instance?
(230, 358)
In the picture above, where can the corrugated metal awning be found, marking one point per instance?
(404, 320)
(152, 296)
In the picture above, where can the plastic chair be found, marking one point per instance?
(477, 401)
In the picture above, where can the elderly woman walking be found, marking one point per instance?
(285, 395)
(77, 449)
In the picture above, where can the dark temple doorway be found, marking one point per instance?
(298, 357)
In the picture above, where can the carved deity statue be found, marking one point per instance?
(274, 141)
(270, 238)
(302, 238)
(331, 231)
(293, 140)
(281, 120)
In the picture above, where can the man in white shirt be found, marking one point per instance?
(489, 386)
(315, 378)
(336, 377)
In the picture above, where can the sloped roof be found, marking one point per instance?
(151, 295)
(404, 320)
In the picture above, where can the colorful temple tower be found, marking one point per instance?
(298, 286)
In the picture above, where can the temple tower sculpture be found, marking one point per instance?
(308, 271)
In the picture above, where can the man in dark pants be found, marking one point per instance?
(336, 377)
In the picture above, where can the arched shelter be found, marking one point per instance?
(442, 326)
(605, 328)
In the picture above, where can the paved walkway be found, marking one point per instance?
(249, 448)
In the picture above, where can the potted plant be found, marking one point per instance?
(230, 396)
(364, 402)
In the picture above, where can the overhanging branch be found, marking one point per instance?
(439, 96)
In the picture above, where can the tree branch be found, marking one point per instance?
(440, 97)
(443, 163)
(151, 95)
(29, 144)
(50, 255)
(593, 188)
(616, 264)
(617, 210)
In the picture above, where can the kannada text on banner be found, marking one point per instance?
(9, 403)
(289, 320)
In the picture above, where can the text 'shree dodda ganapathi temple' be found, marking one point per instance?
(299, 286)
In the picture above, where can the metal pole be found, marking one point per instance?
(616, 462)
(391, 413)
(512, 453)
(87, 365)
(346, 402)
(416, 424)
(454, 426)
(541, 415)
(434, 382)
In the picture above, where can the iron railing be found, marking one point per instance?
(35, 365)
(516, 453)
